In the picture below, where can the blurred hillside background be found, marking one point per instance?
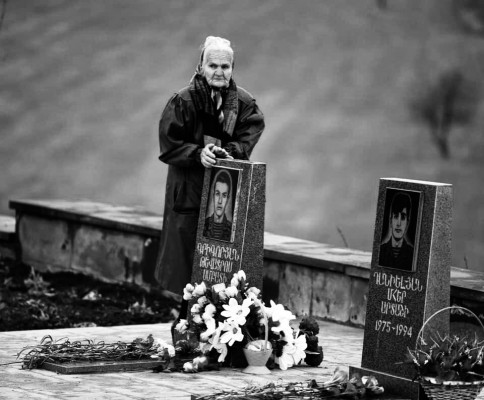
(352, 91)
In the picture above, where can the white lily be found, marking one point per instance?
(300, 345)
(286, 360)
(278, 313)
(235, 312)
(232, 334)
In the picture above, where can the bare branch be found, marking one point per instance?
(342, 236)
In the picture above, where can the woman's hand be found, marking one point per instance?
(207, 157)
(221, 153)
(210, 153)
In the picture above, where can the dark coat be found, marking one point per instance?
(403, 261)
(181, 135)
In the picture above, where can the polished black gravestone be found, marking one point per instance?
(233, 191)
(407, 284)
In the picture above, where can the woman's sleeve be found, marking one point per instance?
(248, 129)
(175, 131)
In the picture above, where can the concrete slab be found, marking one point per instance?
(342, 347)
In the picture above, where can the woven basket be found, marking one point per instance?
(449, 390)
(452, 391)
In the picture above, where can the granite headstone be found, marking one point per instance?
(408, 284)
(233, 192)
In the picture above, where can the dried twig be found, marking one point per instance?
(336, 388)
(63, 350)
(342, 236)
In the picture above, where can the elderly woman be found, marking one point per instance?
(210, 118)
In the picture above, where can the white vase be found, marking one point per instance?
(257, 360)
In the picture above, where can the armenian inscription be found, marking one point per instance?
(216, 261)
(397, 290)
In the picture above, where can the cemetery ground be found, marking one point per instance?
(71, 305)
(342, 348)
(342, 344)
(33, 305)
(34, 300)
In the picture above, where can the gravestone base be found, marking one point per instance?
(89, 367)
(393, 385)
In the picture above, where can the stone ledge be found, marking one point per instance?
(311, 277)
(465, 283)
(112, 243)
(317, 255)
(129, 219)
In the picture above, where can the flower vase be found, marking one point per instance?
(257, 360)
(258, 353)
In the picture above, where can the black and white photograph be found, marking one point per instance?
(400, 229)
(220, 215)
(219, 199)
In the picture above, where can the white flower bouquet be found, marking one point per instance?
(227, 319)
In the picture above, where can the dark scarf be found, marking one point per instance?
(201, 94)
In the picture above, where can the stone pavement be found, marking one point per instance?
(342, 347)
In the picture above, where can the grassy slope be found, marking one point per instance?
(82, 85)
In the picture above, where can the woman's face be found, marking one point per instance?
(217, 68)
